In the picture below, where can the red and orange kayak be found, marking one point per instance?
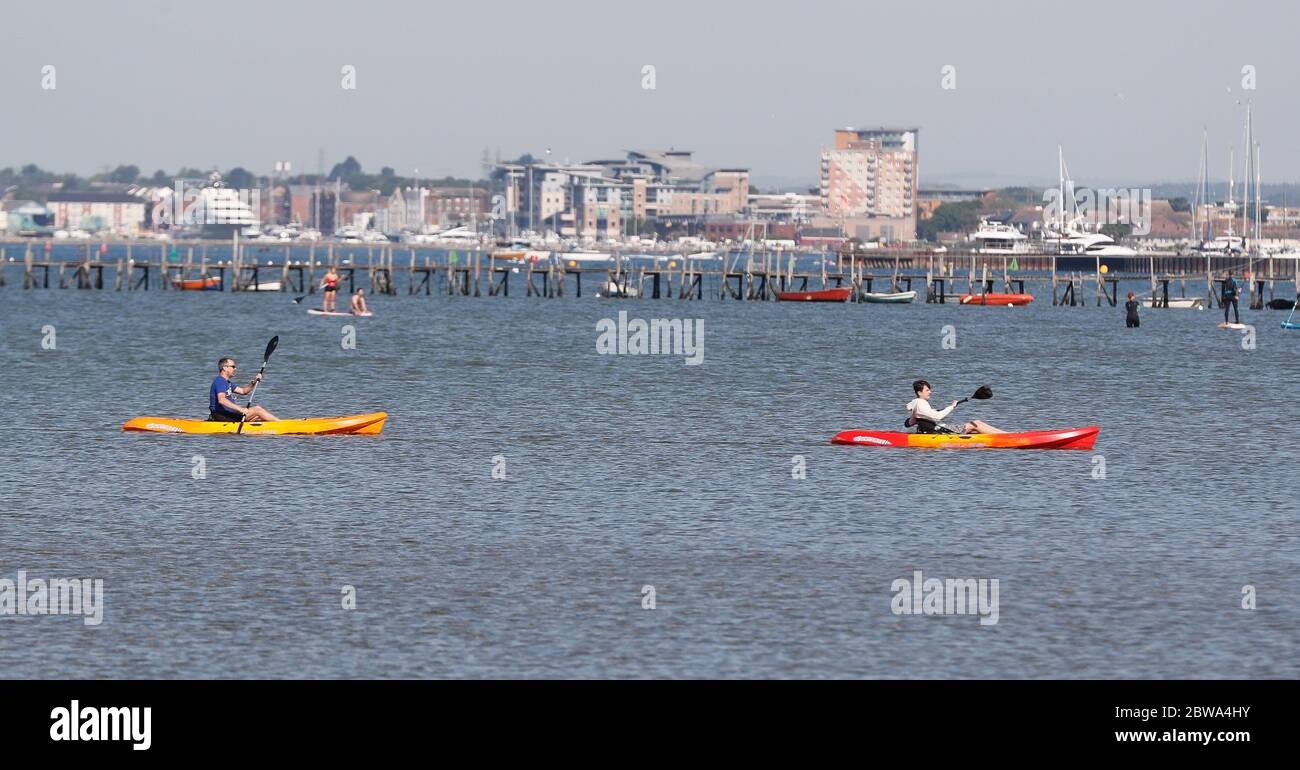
(1070, 438)
(357, 424)
(840, 294)
(211, 283)
(997, 298)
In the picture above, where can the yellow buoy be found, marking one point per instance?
(1105, 269)
(573, 263)
(673, 263)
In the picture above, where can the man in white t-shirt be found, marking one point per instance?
(927, 419)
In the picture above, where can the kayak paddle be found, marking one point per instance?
(296, 300)
(982, 393)
(270, 348)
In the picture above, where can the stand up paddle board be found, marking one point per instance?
(1227, 325)
(345, 315)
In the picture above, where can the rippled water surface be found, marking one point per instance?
(627, 471)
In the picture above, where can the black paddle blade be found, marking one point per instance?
(270, 347)
(984, 392)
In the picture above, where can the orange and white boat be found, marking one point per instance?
(997, 298)
(210, 283)
(840, 294)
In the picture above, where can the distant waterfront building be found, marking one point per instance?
(785, 207)
(300, 208)
(28, 218)
(95, 211)
(456, 206)
(870, 173)
(823, 237)
(608, 198)
(356, 208)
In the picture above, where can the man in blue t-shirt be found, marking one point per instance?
(222, 408)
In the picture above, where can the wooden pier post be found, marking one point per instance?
(1097, 276)
(1153, 279)
(1054, 301)
(310, 288)
(1270, 279)
(1209, 282)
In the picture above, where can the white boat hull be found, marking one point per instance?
(889, 297)
(612, 289)
(1184, 303)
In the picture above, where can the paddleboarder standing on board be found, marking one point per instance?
(330, 283)
(1230, 297)
(221, 405)
(359, 303)
(927, 419)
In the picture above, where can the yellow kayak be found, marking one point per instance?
(368, 424)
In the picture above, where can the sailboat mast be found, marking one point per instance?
(1207, 224)
(1197, 199)
(1231, 204)
(1258, 227)
(1245, 170)
(1060, 197)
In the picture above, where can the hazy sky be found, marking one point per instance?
(1125, 86)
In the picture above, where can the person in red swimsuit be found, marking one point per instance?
(330, 283)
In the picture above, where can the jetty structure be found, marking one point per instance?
(758, 274)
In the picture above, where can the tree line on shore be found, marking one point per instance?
(32, 182)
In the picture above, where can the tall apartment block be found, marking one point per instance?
(870, 173)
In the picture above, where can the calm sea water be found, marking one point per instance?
(626, 471)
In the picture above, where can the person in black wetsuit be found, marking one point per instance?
(1131, 308)
(1230, 293)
